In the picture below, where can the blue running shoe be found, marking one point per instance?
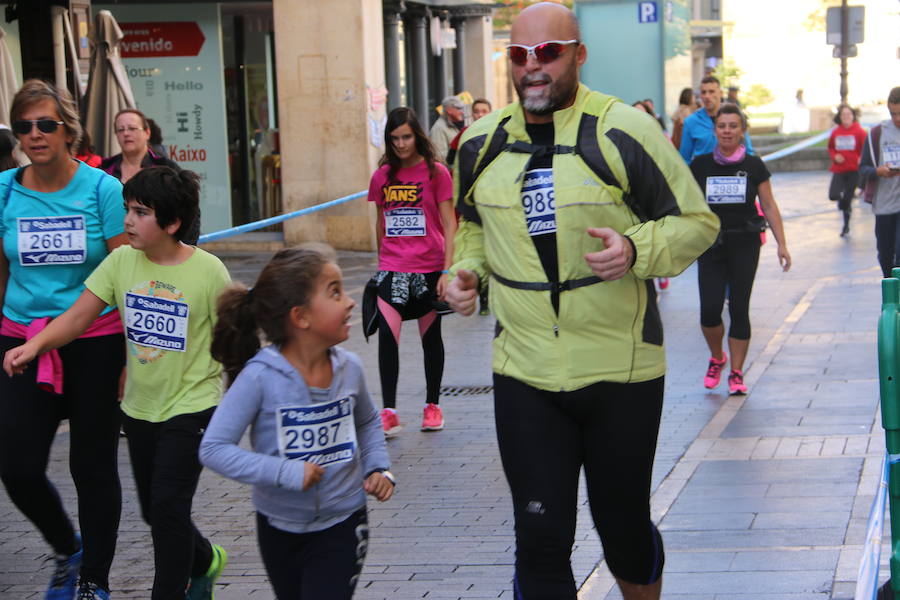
(202, 588)
(88, 590)
(65, 575)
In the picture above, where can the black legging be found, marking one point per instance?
(432, 344)
(29, 418)
(166, 471)
(887, 241)
(728, 267)
(842, 187)
(544, 439)
(316, 565)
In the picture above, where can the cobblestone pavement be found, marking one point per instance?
(764, 496)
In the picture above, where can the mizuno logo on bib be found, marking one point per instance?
(51, 240)
(726, 190)
(538, 202)
(156, 322)
(324, 434)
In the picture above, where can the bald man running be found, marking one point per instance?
(571, 203)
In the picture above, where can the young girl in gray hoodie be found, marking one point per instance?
(316, 439)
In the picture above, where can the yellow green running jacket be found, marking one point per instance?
(612, 167)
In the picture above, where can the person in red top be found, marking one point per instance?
(844, 146)
(85, 151)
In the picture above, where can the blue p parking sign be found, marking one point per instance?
(647, 12)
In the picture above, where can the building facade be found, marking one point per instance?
(279, 104)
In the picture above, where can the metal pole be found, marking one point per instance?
(59, 51)
(459, 55)
(440, 76)
(845, 35)
(420, 68)
(392, 57)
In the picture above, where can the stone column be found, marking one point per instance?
(392, 53)
(459, 55)
(417, 37)
(331, 85)
(479, 50)
(439, 73)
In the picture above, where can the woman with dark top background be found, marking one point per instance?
(133, 132)
(731, 180)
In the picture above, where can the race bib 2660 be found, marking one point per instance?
(51, 240)
(156, 322)
(324, 434)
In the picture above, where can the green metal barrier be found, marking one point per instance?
(889, 371)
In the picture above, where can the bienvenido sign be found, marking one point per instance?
(177, 76)
(146, 40)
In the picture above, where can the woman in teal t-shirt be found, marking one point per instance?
(59, 218)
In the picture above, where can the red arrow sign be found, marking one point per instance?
(145, 40)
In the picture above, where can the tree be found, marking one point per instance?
(758, 95)
(727, 73)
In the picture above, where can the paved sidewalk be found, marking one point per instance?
(763, 496)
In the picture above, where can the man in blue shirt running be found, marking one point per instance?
(699, 136)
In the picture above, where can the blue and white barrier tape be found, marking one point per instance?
(867, 579)
(247, 227)
(796, 147)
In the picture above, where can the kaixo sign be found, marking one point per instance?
(148, 40)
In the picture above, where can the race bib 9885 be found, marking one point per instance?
(324, 434)
(51, 240)
(538, 202)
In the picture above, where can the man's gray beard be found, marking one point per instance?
(539, 106)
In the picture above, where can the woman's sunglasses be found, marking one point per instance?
(43, 125)
(545, 52)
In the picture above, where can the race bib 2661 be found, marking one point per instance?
(51, 240)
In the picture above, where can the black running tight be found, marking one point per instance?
(729, 267)
(545, 438)
(29, 418)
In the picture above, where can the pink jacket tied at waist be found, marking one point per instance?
(50, 367)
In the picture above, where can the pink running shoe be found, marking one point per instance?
(663, 283)
(736, 383)
(714, 371)
(433, 419)
(390, 422)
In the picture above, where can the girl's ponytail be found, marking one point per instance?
(235, 337)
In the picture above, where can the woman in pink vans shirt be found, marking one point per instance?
(416, 225)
